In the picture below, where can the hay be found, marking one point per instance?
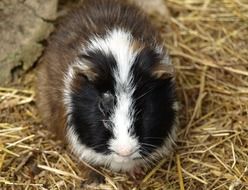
(208, 42)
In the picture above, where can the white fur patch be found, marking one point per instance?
(92, 157)
(119, 43)
(67, 90)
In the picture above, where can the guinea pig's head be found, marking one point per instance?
(120, 102)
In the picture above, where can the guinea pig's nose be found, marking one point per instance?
(124, 151)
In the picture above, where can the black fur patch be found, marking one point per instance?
(154, 99)
(103, 65)
(87, 118)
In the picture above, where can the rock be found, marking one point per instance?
(155, 8)
(22, 26)
(45, 9)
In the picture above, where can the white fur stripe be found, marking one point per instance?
(119, 43)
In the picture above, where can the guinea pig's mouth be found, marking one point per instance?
(132, 157)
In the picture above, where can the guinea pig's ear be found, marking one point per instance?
(85, 68)
(163, 70)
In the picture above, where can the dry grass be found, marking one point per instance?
(208, 41)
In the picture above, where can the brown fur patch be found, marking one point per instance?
(87, 70)
(137, 46)
(163, 71)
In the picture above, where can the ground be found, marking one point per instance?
(208, 43)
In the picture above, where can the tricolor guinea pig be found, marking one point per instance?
(106, 86)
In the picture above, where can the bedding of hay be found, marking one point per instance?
(208, 42)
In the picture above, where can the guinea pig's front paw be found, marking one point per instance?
(94, 179)
(137, 172)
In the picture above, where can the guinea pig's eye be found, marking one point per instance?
(106, 103)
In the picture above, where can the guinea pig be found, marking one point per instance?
(106, 86)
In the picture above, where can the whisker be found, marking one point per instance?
(137, 113)
(105, 120)
(107, 164)
(172, 140)
(146, 144)
(148, 158)
(149, 161)
(97, 146)
(147, 164)
(154, 157)
(142, 95)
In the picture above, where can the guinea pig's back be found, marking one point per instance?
(95, 17)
